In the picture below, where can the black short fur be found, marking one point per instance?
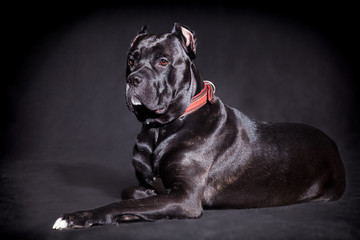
(215, 157)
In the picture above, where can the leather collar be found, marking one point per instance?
(199, 100)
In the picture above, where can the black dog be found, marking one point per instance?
(194, 152)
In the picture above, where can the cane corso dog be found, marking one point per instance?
(194, 152)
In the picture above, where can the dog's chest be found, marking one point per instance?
(163, 141)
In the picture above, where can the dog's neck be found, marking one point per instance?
(206, 95)
(196, 81)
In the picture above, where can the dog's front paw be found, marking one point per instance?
(77, 220)
(60, 224)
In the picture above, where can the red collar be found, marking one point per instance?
(199, 100)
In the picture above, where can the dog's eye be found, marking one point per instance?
(131, 62)
(164, 62)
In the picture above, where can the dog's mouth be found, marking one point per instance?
(137, 104)
(160, 110)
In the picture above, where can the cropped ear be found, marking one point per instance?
(140, 33)
(143, 29)
(187, 38)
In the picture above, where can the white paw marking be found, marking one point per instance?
(60, 224)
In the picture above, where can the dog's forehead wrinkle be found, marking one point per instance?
(156, 45)
(151, 41)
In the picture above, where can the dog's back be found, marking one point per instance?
(273, 164)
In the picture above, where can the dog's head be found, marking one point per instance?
(159, 75)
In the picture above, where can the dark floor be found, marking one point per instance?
(42, 187)
(67, 136)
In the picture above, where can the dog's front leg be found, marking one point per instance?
(183, 200)
(164, 206)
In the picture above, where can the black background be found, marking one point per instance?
(67, 136)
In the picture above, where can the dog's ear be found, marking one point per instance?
(140, 33)
(187, 38)
(143, 30)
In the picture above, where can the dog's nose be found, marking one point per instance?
(134, 80)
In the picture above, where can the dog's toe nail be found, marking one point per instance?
(60, 224)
